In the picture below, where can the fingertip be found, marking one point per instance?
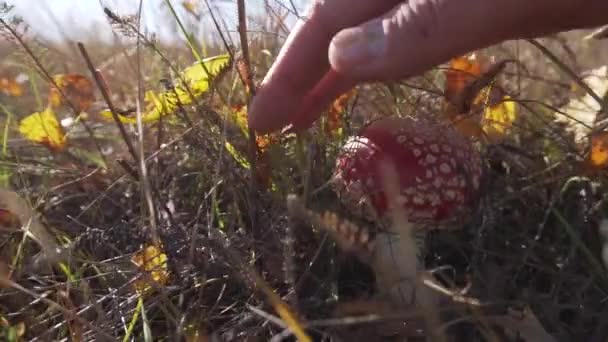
(269, 109)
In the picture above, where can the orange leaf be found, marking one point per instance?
(462, 71)
(8, 219)
(334, 120)
(599, 150)
(76, 88)
(10, 87)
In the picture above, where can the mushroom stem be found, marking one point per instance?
(397, 258)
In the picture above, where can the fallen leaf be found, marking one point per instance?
(77, 88)
(44, 128)
(475, 104)
(155, 106)
(151, 260)
(197, 83)
(461, 72)
(10, 87)
(498, 119)
(334, 120)
(599, 150)
(198, 76)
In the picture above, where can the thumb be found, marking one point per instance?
(418, 34)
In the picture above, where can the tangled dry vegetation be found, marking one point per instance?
(179, 229)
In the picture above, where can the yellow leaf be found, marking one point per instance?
(197, 79)
(44, 128)
(599, 150)
(154, 107)
(196, 75)
(157, 105)
(167, 102)
(153, 261)
(498, 118)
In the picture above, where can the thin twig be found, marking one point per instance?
(252, 151)
(106, 96)
(143, 171)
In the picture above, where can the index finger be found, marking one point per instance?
(303, 63)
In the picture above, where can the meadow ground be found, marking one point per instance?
(177, 229)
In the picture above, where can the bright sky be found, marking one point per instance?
(75, 19)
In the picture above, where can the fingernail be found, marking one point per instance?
(355, 46)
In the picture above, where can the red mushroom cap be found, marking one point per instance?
(438, 169)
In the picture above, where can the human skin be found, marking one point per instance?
(342, 43)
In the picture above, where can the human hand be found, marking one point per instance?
(341, 43)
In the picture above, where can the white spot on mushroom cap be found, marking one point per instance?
(430, 158)
(453, 182)
(418, 141)
(422, 187)
(433, 198)
(445, 168)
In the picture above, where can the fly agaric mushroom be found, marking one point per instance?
(437, 172)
